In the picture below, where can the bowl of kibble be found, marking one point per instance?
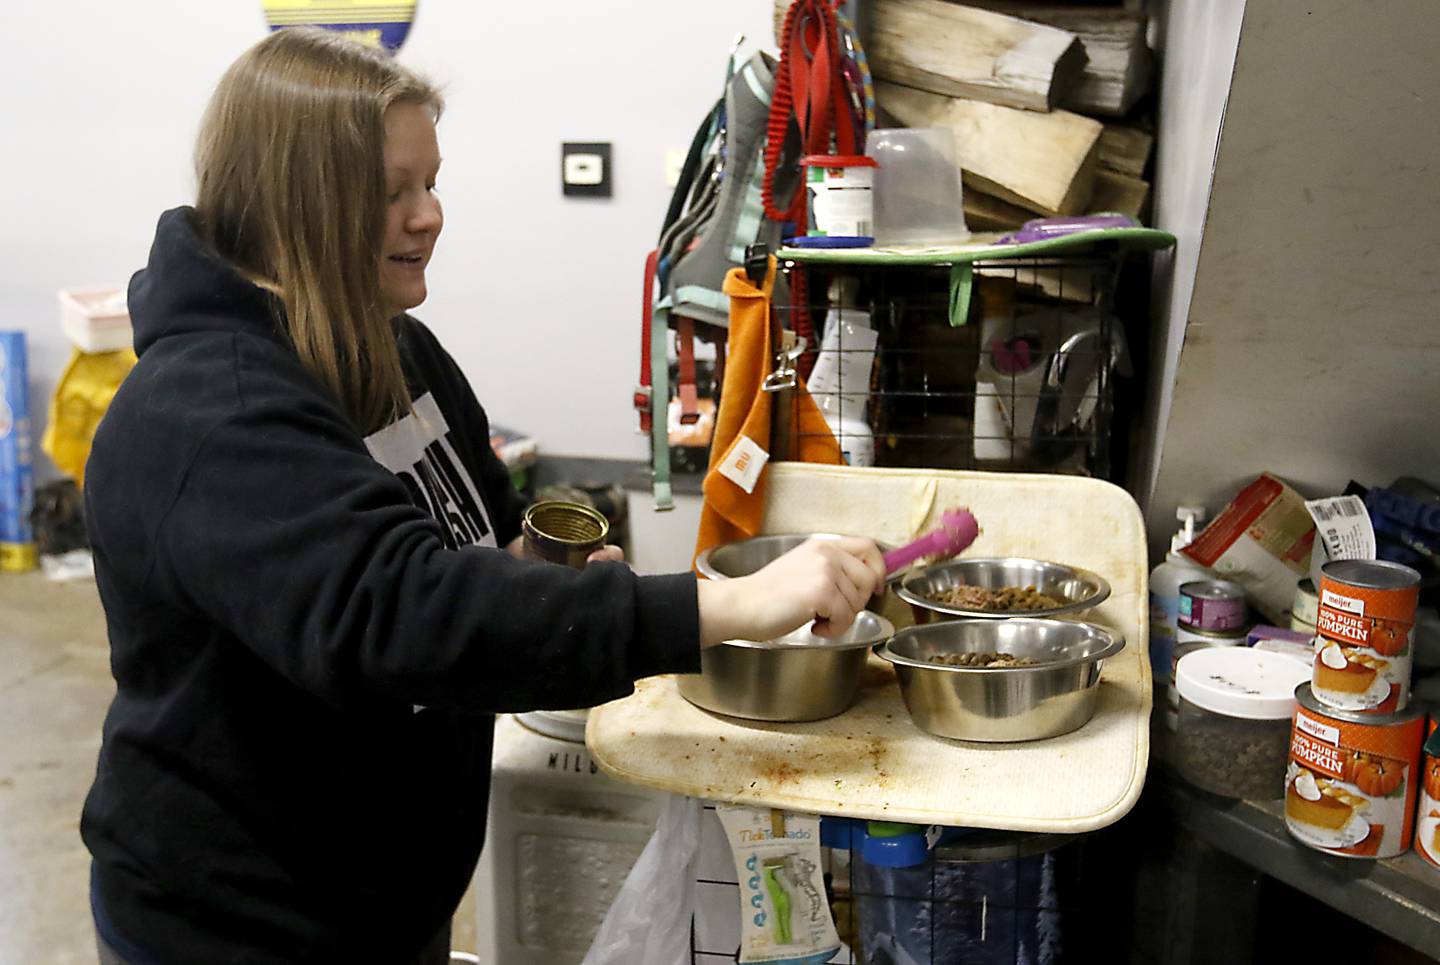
(999, 587)
(1000, 680)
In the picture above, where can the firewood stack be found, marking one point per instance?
(1047, 102)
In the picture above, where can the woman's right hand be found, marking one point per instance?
(827, 581)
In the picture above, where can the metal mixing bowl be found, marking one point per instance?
(795, 677)
(1079, 589)
(743, 557)
(1002, 703)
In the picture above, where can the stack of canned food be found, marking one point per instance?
(1356, 781)
(1355, 763)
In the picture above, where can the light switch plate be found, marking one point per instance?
(674, 166)
(585, 169)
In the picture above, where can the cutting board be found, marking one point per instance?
(872, 761)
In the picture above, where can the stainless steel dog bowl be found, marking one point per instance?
(1079, 589)
(743, 557)
(795, 677)
(1002, 703)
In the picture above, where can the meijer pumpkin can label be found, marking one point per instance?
(1364, 635)
(1427, 823)
(1352, 780)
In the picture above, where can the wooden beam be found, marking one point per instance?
(1062, 283)
(1041, 162)
(984, 212)
(1114, 192)
(951, 49)
(1119, 193)
(1125, 149)
(1119, 68)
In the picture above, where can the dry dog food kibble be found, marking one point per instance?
(988, 660)
(1234, 720)
(1235, 758)
(1008, 599)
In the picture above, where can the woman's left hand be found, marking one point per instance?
(607, 554)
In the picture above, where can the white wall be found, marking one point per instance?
(99, 102)
(663, 542)
(536, 296)
(1197, 41)
(1312, 348)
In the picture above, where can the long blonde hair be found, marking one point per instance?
(290, 163)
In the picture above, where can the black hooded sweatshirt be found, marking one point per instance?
(310, 631)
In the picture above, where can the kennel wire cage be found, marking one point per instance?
(1000, 354)
(964, 895)
(1017, 377)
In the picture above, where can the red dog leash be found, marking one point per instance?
(811, 94)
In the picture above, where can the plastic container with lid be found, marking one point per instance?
(1188, 640)
(1234, 728)
(917, 187)
(841, 206)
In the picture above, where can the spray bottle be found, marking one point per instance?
(1165, 582)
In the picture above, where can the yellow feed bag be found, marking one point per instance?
(81, 398)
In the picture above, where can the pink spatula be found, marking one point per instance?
(957, 530)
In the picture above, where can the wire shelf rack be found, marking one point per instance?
(1018, 377)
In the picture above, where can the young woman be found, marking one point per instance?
(307, 553)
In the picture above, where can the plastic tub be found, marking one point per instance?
(917, 187)
(1234, 725)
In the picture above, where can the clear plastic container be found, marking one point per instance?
(917, 187)
(1234, 727)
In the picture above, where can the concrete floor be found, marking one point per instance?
(55, 686)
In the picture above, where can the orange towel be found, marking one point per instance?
(742, 426)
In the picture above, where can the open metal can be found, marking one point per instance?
(563, 532)
(1213, 605)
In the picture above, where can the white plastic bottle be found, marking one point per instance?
(1165, 582)
(994, 439)
(840, 382)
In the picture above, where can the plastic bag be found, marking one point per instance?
(81, 398)
(649, 922)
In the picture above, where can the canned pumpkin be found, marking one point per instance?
(1362, 646)
(1351, 785)
(1427, 825)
